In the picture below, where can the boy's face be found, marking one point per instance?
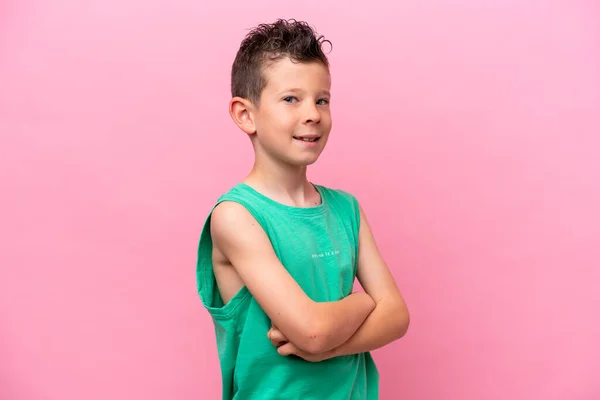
(293, 119)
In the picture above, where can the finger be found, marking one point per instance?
(287, 349)
(277, 343)
(275, 340)
(285, 339)
(277, 336)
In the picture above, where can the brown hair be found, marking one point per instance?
(268, 43)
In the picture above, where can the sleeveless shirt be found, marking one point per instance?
(318, 246)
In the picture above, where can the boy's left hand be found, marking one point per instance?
(276, 336)
(286, 348)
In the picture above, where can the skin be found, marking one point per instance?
(295, 105)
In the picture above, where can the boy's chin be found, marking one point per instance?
(307, 159)
(305, 162)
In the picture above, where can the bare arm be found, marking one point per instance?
(390, 319)
(308, 324)
(386, 323)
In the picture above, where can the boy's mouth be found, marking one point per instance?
(307, 138)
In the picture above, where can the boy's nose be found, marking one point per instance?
(312, 115)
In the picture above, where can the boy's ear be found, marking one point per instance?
(242, 113)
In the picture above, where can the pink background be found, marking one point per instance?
(469, 130)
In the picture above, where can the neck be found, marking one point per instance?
(284, 183)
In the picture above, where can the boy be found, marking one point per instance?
(278, 255)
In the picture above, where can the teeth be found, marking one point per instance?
(308, 139)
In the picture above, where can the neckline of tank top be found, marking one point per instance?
(309, 211)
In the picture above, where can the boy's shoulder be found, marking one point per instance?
(336, 192)
(341, 199)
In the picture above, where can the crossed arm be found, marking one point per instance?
(312, 330)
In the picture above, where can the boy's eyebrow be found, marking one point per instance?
(298, 90)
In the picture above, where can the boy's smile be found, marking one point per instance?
(308, 141)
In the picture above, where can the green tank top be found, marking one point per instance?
(319, 247)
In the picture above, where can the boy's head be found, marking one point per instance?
(265, 45)
(280, 85)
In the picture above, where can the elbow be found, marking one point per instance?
(402, 326)
(311, 331)
(314, 335)
(402, 321)
(315, 338)
(314, 344)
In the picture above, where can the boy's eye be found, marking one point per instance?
(289, 99)
(322, 101)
